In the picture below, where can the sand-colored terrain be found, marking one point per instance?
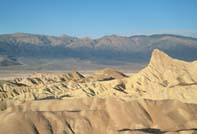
(161, 98)
(95, 115)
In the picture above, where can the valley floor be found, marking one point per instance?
(12, 74)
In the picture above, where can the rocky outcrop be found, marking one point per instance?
(106, 74)
(165, 78)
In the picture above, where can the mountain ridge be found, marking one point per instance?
(108, 35)
(136, 48)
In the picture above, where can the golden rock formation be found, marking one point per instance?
(160, 99)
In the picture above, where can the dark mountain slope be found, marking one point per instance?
(113, 47)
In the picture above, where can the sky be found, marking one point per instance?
(97, 18)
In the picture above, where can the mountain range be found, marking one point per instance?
(111, 48)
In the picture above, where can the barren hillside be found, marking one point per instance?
(161, 98)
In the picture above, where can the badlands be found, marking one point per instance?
(160, 99)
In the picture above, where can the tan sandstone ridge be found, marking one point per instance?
(159, 99)
(165, 78)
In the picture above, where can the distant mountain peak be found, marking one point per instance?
(113, 36)
(20, 34)
(64, 36)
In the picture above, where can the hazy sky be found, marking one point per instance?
(96, 18)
